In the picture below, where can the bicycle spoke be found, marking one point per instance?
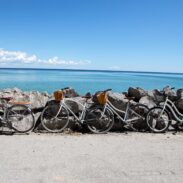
(52, 121)
(154, 123)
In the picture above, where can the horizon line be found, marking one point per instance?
(92, 70)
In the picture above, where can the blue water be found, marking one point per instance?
(84, 81)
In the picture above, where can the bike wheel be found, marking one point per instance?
(137, 115)
(98, 120)
(20, 118)
(158, 120)
(52, 123)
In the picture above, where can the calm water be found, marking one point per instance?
(84, 81)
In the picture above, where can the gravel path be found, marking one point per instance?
(78, 158)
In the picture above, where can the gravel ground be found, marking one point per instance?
(88, 158)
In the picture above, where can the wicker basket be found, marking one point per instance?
(59, 95)
(102, 98)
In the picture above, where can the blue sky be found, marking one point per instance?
(141, 35)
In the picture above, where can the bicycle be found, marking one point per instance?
(159, 118)
(133, 116)
(16, 115)
(55, 118)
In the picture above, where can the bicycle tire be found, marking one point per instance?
(54, 124)
(20, 118)
(138, 124)
(156, 123)
(99, 124)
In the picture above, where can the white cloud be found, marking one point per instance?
(16, 56)
(19, 57)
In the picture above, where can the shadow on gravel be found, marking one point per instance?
(6, 133)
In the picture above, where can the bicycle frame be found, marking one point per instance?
(81, 117)
(171, 106)
(115, 110)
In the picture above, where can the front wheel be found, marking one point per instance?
(99, 120)
(158, 120)
(20, 118)
(52, 121)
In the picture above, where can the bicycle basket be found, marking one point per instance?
(59, 95)
(100, 97)
(158, 96)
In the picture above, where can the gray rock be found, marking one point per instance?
(69, 93)
(118, 100)
(156, 96)
(75, 103)
(148, 101)
(180, 93)
(36, 98)
(138, 93)
(170, 93)
(179, 104)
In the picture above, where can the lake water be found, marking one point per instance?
(85, 81)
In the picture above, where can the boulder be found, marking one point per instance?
(118, 100)
(75, 103)
(179, 104)
(36, 98)
(137, 93)
(156, 96)
(148, 101)
(70, 93)
(168, 91)
(180, 93)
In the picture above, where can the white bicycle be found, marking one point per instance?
(159, 118)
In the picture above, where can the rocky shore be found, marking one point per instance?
(149, 98)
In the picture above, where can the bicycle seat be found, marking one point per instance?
(130, 98)
(21, 102)
(6, 98)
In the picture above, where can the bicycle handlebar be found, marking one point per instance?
(163, 91)
(107, 90)
(65, 88)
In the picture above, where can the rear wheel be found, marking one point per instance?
(98, 120)
(158, 120)
(53, 123)
(138, 115)
(20, 118)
